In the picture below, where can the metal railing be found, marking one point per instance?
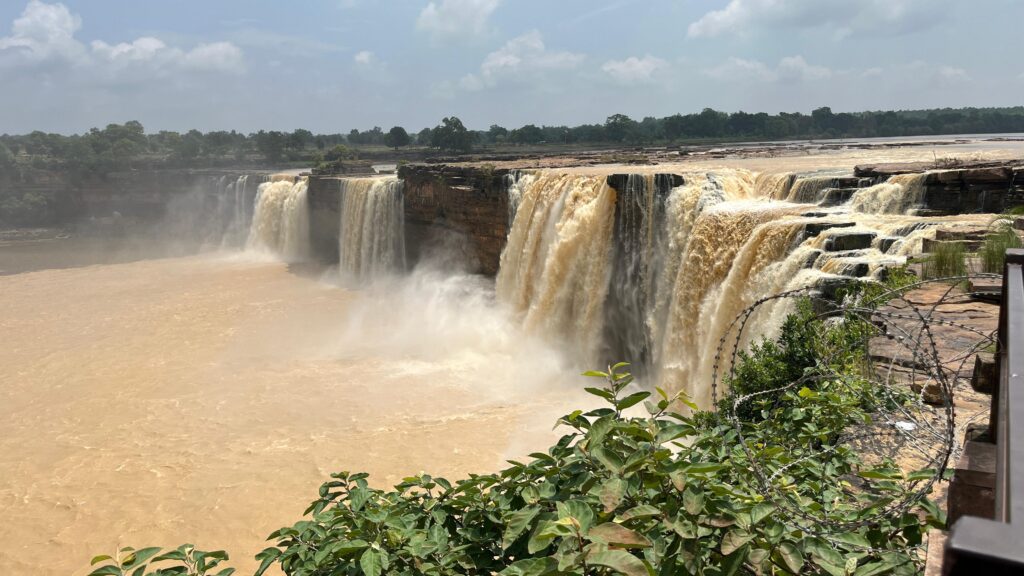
(979, 545)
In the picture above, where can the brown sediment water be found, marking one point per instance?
(204, 399)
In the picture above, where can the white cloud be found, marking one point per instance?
(456, 18)
(633, 69)
(791, 69)
(471, 83)
(43, 32)
(525, 57)
(796, 69)
(364, 58)
(45, 35)
(952, 75)
(843, 17)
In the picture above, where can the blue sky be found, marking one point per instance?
(333, 65)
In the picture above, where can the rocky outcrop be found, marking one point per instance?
(462, 206)
(985, 187)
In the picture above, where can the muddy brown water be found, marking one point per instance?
(204, 399)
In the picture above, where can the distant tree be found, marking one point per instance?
(270, 145)
(425, 137)
(619, 127)
(300, 138)
(497, 134)
(6, 159)
(396, 138)
(528, 134)
(338, 152)
(451, 135)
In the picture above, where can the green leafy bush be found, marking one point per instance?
(949, 259)
(183, 561)
(997, 242)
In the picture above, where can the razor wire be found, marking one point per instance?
(914, 426)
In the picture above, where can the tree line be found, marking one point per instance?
(128, 146)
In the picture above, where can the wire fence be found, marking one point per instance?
(917, 346)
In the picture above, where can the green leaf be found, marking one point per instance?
(704, 468)
(611, 493)
(734, 540)
(791, 556)
(632, 400)
(357, 498)
(100, 558)
(732, 563)
(372, 562)
(851, 539)
(141, 556)
(621, 561)
(578, 510)
(609, 459)
(760, 512)
(516, 523)
(693, 500)
(531, 567)
(595, 374)
(617, 535)
(108, 570)
(641, 511)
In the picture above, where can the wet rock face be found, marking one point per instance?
(466, 205)
(982, 187)
(843, 241)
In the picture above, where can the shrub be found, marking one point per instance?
(997, 242)
(948, 260)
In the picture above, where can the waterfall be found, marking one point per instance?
(371, 241)
(237, 200)
(280, 223)
(773, 186)
(556, 263)
(898, 195)
(808, 190)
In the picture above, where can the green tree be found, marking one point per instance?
(396, 138)
(619, 127)
(451, 135)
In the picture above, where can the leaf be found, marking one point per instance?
(704, 468)
(609, 459)
(760, 512)
(851, 539)
(611, 493)
(358, 498)
(372, 562)
(141, 556)
(269, 556)
(734, 540)
(732, 563)
(531, 567)
(100, 558)
(791, 556)
(595, 374)
(601, 393)
(618, 560)
(108, 570)
(641, 511)
(578, 510)
(632, 400)
(516, 523)
(617, 535)
(693, 500)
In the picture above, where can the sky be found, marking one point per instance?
(333, 65)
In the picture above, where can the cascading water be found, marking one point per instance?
(280, 224)
(655, 275)
(898, 195)
(371, 241)
(556, 263)
(808, 190)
